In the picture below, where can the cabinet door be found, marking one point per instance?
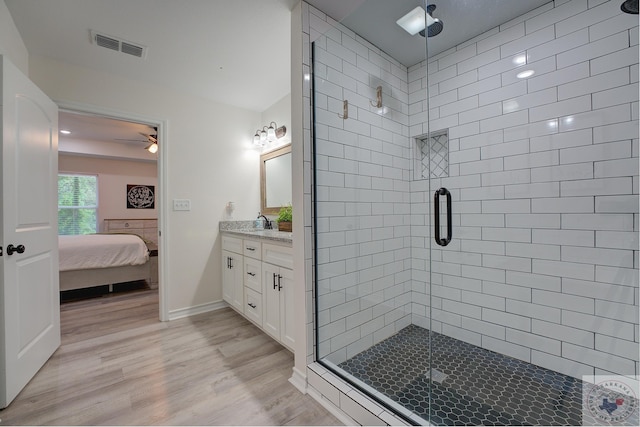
(232, 280)
(287, 322)
(271, 298)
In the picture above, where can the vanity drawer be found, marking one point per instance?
(253, 274)
(252, 248)
(253, 306)
(277, 255)
(232, 244)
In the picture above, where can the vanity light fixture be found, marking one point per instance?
(269, 134)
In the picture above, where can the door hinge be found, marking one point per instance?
(0, 250)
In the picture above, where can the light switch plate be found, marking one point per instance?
(181, 204)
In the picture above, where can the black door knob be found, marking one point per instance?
(11, 249)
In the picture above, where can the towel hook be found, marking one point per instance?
(345, 110)
(378, 102)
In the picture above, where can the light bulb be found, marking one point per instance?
(153, 148)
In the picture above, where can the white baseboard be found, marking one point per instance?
(198, 309)
(329, 406)
(299, 380)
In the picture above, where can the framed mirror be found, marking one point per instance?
(275, 180)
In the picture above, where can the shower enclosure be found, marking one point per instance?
(475, 208)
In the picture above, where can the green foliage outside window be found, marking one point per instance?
(77, 204)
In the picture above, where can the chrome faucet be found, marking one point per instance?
(267, 223)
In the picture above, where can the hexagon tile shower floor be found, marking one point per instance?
(470, 385)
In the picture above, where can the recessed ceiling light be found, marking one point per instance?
(64, 131)
(525, 74)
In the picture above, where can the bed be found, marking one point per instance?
(104, 259)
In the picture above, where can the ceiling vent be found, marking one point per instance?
(118, 45)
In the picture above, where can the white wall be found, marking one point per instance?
(113, 177)
(11, 43)
(210, 161)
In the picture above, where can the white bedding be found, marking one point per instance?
(101, 251)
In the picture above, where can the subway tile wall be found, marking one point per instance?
(543, 173)
(544, 177)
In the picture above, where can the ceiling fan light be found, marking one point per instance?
(152, 148)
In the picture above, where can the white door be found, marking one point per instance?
(29, 285)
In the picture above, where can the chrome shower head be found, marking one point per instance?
(630, 6)
(434, 26)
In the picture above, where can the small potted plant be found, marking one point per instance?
(285, 216)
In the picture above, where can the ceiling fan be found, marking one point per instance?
(151, 139)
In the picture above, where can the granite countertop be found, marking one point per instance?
(247, 229)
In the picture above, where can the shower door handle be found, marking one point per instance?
(436, 202)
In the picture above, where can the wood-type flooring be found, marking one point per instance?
(119, 365)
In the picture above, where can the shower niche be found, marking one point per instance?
(531, 129)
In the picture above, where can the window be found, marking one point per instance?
(77, 204)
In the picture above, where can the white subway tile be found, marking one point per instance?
(595, 187)
(537, 251)
(510, 349)
(504, 36)
(533, 220)
(602, 291)
(490, 274)
(462, 334)
(479, 60)
(617, 204)
(617, 240)
(483, 85)
(481, 139)
(621, 58)
(575, 105)
(598, 12)
(562, 140)
(564, 237)
(598, 359)
(464, 131)
(619, 22)
(527, 161)
(511, 263)
(460, 55)
(535, 281)
(617, 311)
(482, 247)
(559, 364)
(564, 269)
(593, 50)
(507, 92)
(484, 328)
(617, 275)
(531, 130)
(462, 309)
(525, 191)
(358, 412)
(506, 206)
(597, 83)
(505, 149)
(462, 258)
(530, 40)
(504, 121)
(459, 81)
(562, 172)
(539, 68)
(535, 311)
(559, 77)
(616, 132)
(480, 166)
(538, 342)
(562, 205)
(563, 333)
(558, 45)
(563, 301)
(614, 222)
(598, 256)
(464, 283)
(506, 319)
(481, 113)
(459, 106)
(615, 96)
(613, 168)
(521, 176)
(555, 15)
(542, 99)
(604, 116)
(619, 347)
(600, 325)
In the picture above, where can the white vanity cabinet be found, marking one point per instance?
(232, 272)
(257, 282)
(277, 293)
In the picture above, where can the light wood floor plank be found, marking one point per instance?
(118, 365)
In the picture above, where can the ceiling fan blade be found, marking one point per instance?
(151, 138)
(130, 140)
